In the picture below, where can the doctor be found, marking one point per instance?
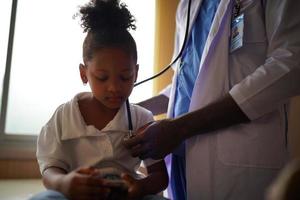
(227, 113)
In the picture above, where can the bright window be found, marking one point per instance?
(46, 54)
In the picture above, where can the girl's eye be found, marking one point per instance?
(102, 78)
(126, 77)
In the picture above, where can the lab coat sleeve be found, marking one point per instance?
(278, 79)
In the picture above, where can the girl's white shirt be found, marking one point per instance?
(68, 143)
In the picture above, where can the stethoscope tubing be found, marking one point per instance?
(130, 127)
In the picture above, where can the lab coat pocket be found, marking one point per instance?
(259, 144)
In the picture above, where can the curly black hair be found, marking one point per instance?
(107, 23)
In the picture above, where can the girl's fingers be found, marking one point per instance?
(88, 180)
(89, 192)
(86, 170)
(127, 177)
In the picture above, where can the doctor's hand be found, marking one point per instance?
(156, 140)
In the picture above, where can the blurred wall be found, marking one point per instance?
(164, 40)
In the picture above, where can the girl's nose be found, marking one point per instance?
(114, 86)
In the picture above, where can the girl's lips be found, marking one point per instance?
(114, 99)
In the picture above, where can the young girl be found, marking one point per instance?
(89, 130)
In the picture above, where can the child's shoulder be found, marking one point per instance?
(67, 108)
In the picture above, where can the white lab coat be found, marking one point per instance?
(241, 161)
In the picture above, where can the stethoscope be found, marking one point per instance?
(130, 127)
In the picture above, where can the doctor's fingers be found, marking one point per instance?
(134, 141)
(140, 150)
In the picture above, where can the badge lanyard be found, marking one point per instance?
(237, 8)
(237, 27)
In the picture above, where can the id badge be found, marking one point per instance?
(237, 33)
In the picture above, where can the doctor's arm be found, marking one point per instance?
(157, 104)
(269, 87)
(273, 83)
(162, 137)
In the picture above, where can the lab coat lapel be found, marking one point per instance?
(181, 18)
(214, 62)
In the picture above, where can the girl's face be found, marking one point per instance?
(111, 74)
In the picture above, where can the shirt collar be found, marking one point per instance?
(74, 126)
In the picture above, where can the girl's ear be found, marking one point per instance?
(136, 72)
(82, 70)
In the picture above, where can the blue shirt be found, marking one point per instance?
(190, 61)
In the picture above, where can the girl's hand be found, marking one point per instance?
(82, 184)
(134, 188)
